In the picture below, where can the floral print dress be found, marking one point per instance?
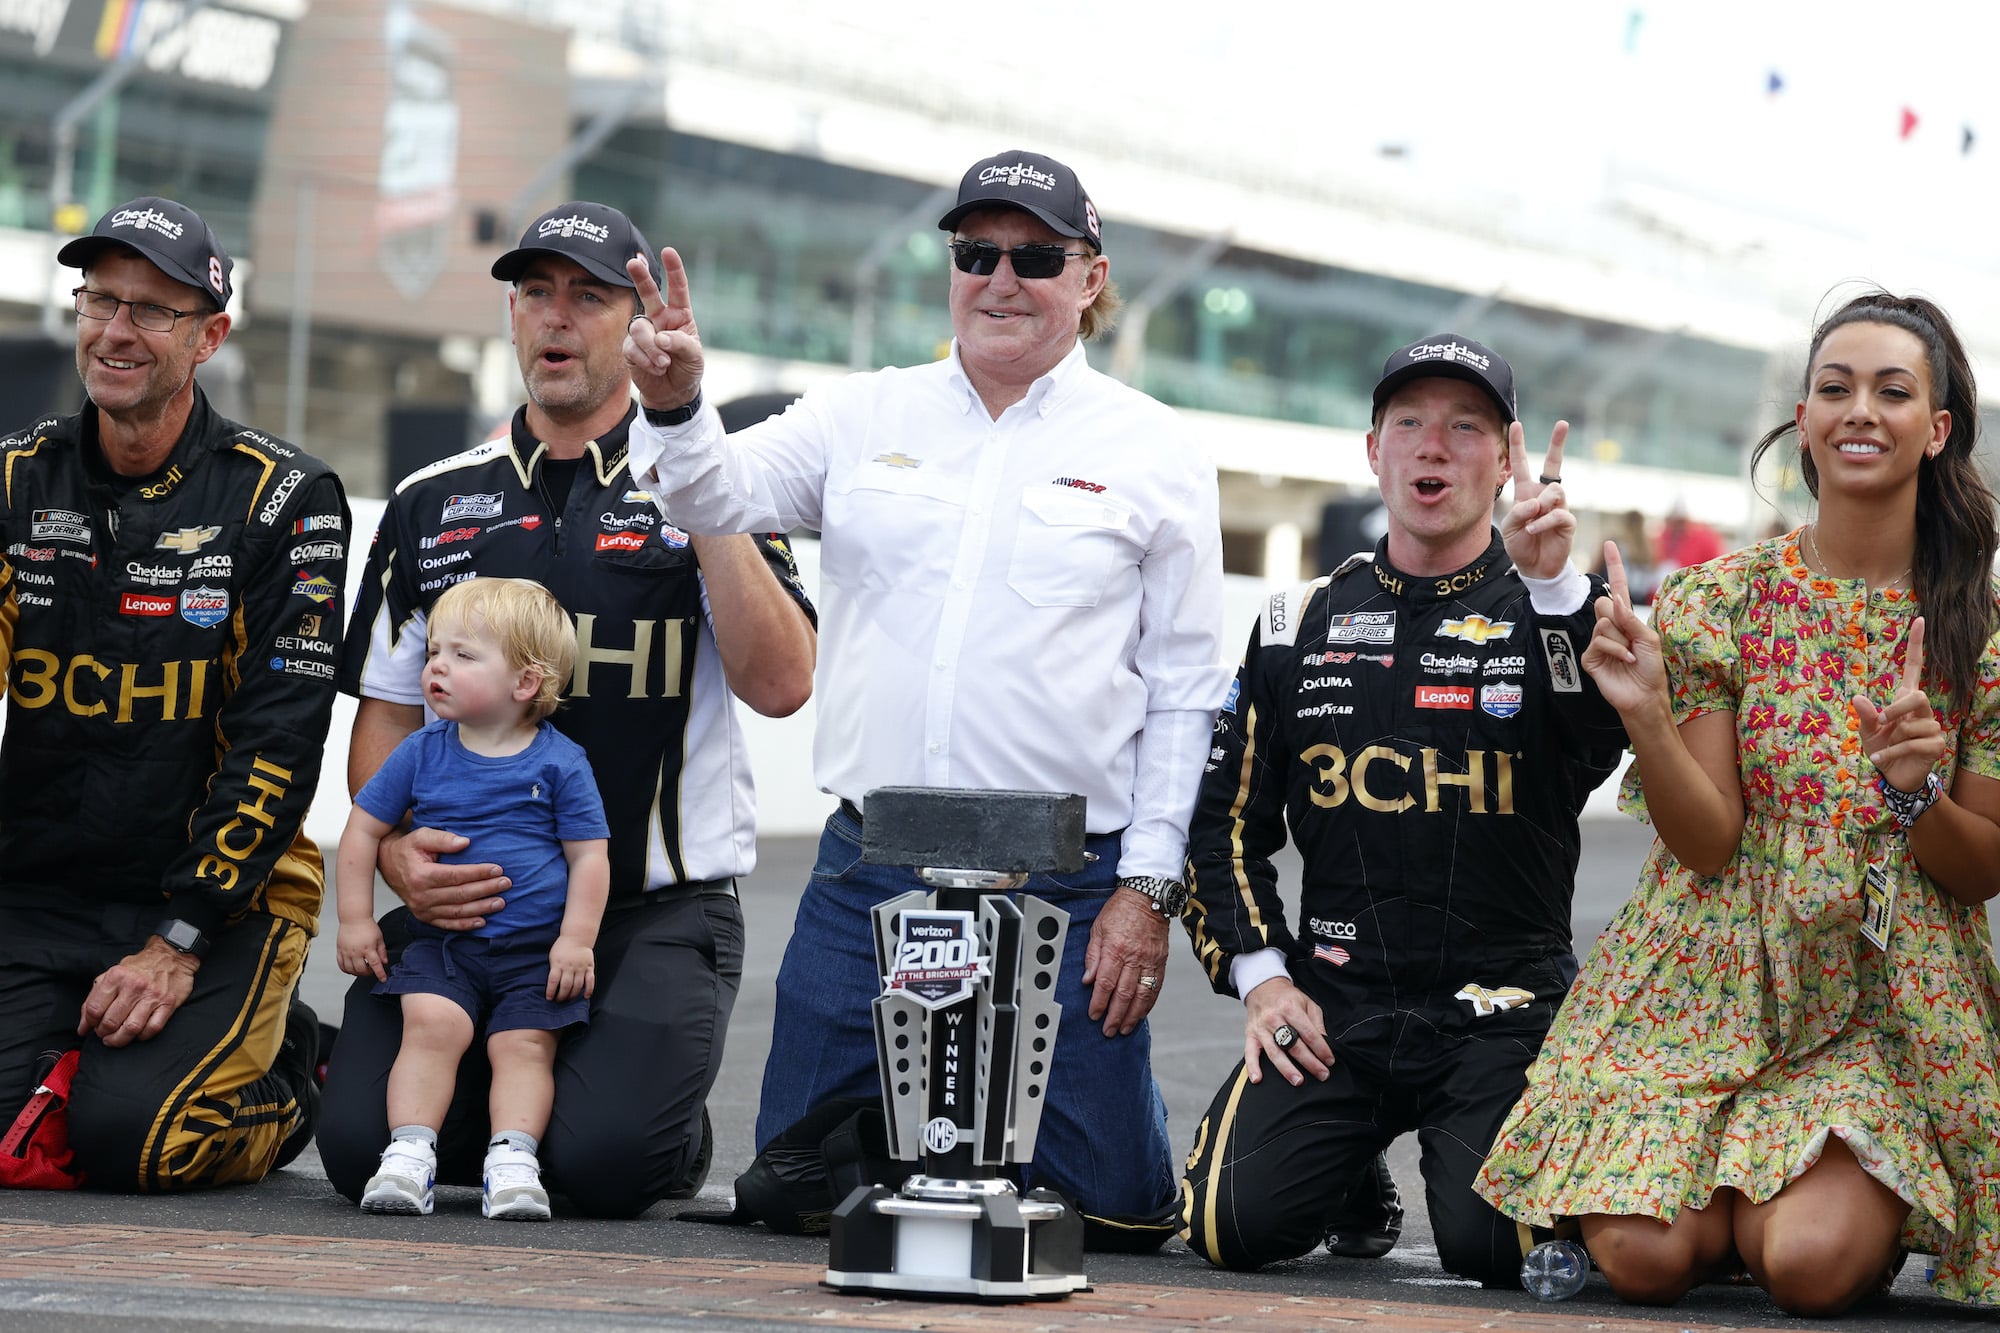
(1724, 1026)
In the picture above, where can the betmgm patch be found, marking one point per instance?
(937, 960)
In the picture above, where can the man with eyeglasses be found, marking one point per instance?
(672, 631)
(170, 601)
(1021, 588)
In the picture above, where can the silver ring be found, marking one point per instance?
(636, 318)
(1149, 982)
(1284, 1036)
(1547, 480)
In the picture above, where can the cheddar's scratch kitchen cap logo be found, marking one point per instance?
(597, 237)
(1454, 357)
(1034, 184)
(170, 236)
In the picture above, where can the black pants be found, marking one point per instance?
(630, 1086)
(205, 1102)
(1272, 1163)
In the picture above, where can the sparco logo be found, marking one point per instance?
(573, 226)
(269, 513)
(1449, 352)
(448, 537)
(147, 219)
(1018, 174)
(1335, 930)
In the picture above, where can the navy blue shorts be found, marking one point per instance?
(502, 982)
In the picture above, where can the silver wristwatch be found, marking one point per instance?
(1168, 896)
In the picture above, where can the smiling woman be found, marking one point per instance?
(1783, 1049)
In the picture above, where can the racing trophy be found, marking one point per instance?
(964, 1031)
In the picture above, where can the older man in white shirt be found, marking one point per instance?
(1021, 587)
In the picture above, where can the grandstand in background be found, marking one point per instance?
(367, 159)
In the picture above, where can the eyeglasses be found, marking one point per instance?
(145, 315)
(982, 258)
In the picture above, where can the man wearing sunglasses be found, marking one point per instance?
(1021, 586)
(170, 599)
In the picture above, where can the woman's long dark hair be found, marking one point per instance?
(1956, 538)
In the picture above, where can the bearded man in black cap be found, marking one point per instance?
(669, 626)
(1021, 571)
(170, 589)
(1418, 721)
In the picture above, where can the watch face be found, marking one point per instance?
(1174, 898)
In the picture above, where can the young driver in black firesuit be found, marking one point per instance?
(1418, 720)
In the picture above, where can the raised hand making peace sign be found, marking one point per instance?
(662, 346)
(1624, 655)
(1904, 740)
(1539, 527)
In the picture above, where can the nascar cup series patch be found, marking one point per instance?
(937, 958)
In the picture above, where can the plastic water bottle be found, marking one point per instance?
(1555, 1270)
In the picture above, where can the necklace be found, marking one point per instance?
(1820, 561)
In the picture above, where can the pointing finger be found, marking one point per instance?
(678, 295)
(1517, 462)
(641, 274)
(1552, 462)
(1614, 574)
(1913, 657)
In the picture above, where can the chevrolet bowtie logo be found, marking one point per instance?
(187, 541)
(1486, 1002)
(898, 460)
(1475, 629)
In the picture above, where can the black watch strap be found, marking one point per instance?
(674, 416)
(183, 937)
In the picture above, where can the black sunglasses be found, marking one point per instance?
(982, 258)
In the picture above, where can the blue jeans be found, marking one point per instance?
(1103, 1138)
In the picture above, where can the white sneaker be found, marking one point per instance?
(512, 1187)
(404, 1184)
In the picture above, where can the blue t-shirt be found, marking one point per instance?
(517, 811)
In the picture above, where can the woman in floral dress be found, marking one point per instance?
(1782, 1053)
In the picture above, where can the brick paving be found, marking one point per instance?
(468, 1279)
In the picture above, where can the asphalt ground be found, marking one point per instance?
(289, 1253)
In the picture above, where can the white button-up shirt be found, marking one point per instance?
(1030, 603)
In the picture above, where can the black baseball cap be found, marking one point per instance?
(1455, 357)
(597, 236)
(1033, 184)
(171, 237)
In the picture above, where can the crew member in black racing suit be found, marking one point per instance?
(1419, 720)
(170, 606)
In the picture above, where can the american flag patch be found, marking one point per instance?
(1332, 953)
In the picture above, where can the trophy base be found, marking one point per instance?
(965, 1239)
